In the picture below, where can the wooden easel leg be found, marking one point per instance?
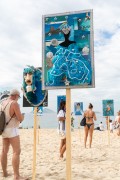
(34, 146)
(68, 134)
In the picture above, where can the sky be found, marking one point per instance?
(21, 45)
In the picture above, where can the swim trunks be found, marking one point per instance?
(10, 132)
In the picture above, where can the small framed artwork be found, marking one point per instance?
(59, 100)
(108, 107)
(78, 108)
(33, 95)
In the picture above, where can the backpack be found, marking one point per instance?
(3, 123)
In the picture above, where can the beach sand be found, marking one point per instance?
(101, 162)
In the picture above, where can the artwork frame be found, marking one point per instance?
(108, 107)
(43, 104)
(33, 95)
(66, 76)
(59, 99)
(78, 108)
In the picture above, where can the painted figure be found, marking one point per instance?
(108, 108)
(66, 32)
(32, 86)
(78, 107)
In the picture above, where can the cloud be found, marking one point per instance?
(21, 43)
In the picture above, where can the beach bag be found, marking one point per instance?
(83, 121)
(61, 118)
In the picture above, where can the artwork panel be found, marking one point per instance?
(59, 99)
(108, 107)
(68, 60)
(78, 108)
(43, 104)
(32, 87)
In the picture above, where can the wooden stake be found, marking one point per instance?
(79, 128)
(38, 123)
(34, 146)
(68, 134)
(108, 130)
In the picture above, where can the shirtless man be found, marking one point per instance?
(10, 136)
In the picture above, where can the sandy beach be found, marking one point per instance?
(101, 162)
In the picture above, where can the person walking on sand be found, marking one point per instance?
(10, 135)
(61, 119)
(89, 127)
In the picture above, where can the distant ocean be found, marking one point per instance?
(48, 120)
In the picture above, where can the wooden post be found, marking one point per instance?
(38, 131)
(34, 144)
(68, 134)
(79, 128)
(109, 130)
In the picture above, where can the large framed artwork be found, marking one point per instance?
(68, 58)
(78, 108)
(108, 107)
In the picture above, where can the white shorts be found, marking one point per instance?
(10, 132)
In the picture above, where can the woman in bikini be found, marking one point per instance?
(89, 127)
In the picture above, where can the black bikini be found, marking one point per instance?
(89, 125)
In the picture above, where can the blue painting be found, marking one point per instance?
(59, 99)
(78, 108)
(108, 107)
(68, 50)
(28, 104)
(32, 86)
